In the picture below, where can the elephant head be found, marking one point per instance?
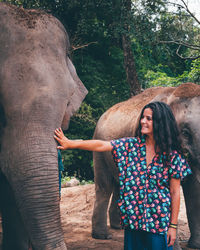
(39, 91)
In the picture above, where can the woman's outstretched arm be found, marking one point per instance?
(91, 145)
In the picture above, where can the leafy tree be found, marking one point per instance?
(186, 37)
(194, 74)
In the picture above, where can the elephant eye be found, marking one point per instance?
(187, 135)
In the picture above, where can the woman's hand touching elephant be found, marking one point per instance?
(91, 145)
(62, 140)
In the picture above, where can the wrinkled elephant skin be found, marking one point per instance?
(39, 91)
(120, 121)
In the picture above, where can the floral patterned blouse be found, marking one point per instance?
(145, 201)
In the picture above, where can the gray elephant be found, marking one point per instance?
(120, 121)
(39, 91)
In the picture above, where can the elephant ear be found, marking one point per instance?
(80, 91)
(76, 97)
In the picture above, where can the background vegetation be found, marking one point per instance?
(120, 47)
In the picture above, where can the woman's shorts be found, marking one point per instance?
(142, 240)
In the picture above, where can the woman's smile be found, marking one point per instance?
(147, 122)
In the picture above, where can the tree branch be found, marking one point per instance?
(82, 46)
(191, 14)
(191, 46)
(185, 7)
(183, 57)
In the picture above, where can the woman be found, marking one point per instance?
(151, 167)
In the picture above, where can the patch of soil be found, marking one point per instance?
(76, 214)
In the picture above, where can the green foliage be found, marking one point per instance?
(78, 163)
(97, 73)
(65, 179)
(155, 79)
(83, 182)
(194, 74)
(160, 78)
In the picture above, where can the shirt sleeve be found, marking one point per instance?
(179, 167)
(120, 148)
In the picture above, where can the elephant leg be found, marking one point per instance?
(99, 217)
(14, 234)
(103, 189)
(191, 189)
(114, 209)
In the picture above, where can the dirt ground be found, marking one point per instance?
(76, 212)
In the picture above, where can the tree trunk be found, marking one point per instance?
(129, 62)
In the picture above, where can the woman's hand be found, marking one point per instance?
(62, 140)
(171, 236)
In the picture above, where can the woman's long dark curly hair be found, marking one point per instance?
(165, 129)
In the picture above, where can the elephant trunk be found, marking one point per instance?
(32, 171)
(191, 189)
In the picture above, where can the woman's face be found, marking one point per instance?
(147, 122)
